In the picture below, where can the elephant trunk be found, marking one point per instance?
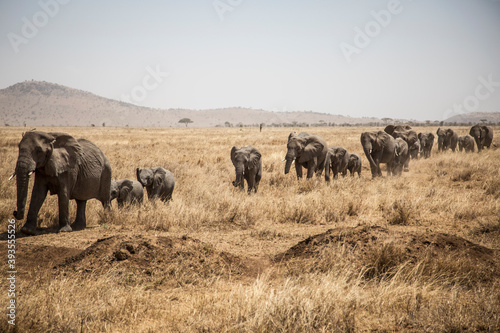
(239, 178)
(373, 166)
(289, 160)
(23, 171)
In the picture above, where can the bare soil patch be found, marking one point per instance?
(378, 250)
(160, 260)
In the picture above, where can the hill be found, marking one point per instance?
(475, 117)
(36, 103)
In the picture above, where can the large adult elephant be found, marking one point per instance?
(483, 135)
(337, 160)
(426, 143)
(71, 168)
(247, 166)
(466, 142)
(379, 147)
(406, 133)
(308, 151)
(447, 139)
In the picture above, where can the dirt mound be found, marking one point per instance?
(160, 260)
(370, 247)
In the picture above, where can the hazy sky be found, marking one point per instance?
(426, 59)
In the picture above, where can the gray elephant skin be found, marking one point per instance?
(127, 191)
(247, 166)
(354, 164)
(159, 183)
(414, 150)
(426, 143)
(73, 169)
(406, 133)
(483, 135)
(337, 159)
(466, 143)
(308, 151)
(402, 155)
(447, 139)
(379, 147)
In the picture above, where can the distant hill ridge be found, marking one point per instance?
(40, 103)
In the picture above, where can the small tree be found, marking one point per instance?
(484, 120)
(185, 121)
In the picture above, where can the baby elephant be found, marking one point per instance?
(159, 183)
(248, 166)
(127, 191)
(354, 164)
(466, 142)
(337, 159)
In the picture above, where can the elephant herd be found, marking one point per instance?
(396, 145)
(76, 169)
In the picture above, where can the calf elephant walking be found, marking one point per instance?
(337, 160)
(466, 143)
(248, 166)
(159, 183)
(127, 191)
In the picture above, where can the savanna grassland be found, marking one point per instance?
(414, 253)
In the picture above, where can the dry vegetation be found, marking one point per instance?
(414, 253)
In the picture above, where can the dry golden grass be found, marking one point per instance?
(457, 194)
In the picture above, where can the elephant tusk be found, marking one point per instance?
(30, 173)
(12, 176)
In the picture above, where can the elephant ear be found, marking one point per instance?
(66, 153)
(58, 163)
(233, 153)
(158, 175)
(254, 158)
(312, 149)
(486, 131)
(66, 141)
(389, 129)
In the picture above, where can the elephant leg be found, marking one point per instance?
(105, 189)
(38, 196)
(250, 178)
(63, 202)
(311, 168)
(258, 177)
(251, 183)
(298, 168)
(80, 221)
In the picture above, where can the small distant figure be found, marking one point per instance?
(260, 128)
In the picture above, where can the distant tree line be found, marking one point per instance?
(368, 124)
